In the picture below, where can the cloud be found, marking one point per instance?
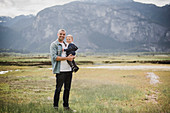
(17, 7)
(156, 2)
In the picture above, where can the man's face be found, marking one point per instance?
(61, 35)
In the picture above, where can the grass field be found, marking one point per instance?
(30, 89)
(93, 58)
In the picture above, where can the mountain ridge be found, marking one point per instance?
(97, 27)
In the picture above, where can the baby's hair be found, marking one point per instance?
(61, 30)
(70, 36)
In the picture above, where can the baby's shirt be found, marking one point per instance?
(71, 49)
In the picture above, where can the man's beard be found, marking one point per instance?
(60, 38)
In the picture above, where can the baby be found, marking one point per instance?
(71, 50)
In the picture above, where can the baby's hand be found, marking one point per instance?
(62, 49)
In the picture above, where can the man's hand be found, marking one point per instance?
(70, 57)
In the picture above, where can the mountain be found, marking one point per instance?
(11, 30)
(107, 1)
(97, 26)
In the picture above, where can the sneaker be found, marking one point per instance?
(55, 107)
(69, 109)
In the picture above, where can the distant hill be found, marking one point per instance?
(97, 26)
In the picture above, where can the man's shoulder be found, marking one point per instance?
(55, 42)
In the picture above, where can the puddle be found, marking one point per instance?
(4, 72)
(153, 78)
(50, 68)
(17, 70)
(130, 67)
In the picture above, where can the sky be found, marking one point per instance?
(14, 8)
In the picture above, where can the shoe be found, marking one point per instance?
(75, 69)
(69, 109)
(55, 107)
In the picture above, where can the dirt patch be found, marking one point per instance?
(153, 97)
(130, 67)
(153, 78)
(153, 62)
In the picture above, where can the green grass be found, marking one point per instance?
(101, 59)
(31, 89)
(95, 59)
(93, 91)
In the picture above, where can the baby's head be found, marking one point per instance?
(69, 38)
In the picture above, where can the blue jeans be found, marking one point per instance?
(62, 78)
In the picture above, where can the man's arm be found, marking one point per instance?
(53, 51)
(69, 58)
(54, 56)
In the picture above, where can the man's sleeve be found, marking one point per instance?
(53, 51)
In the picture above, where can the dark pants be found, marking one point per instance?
(63, 78)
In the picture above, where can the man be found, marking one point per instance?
(61, 68)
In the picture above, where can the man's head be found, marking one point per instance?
(61, 35)
(69, 38)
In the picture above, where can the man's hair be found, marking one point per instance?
(70, 36)
(62, 30)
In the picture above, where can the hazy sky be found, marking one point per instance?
(156, 2)
(17, 7)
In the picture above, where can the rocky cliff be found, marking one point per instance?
(109, 26)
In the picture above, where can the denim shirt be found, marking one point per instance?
(55, 50)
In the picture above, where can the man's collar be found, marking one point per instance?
(58, 42)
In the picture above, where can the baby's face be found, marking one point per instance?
(69, 39)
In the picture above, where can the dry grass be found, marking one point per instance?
(31, 89)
